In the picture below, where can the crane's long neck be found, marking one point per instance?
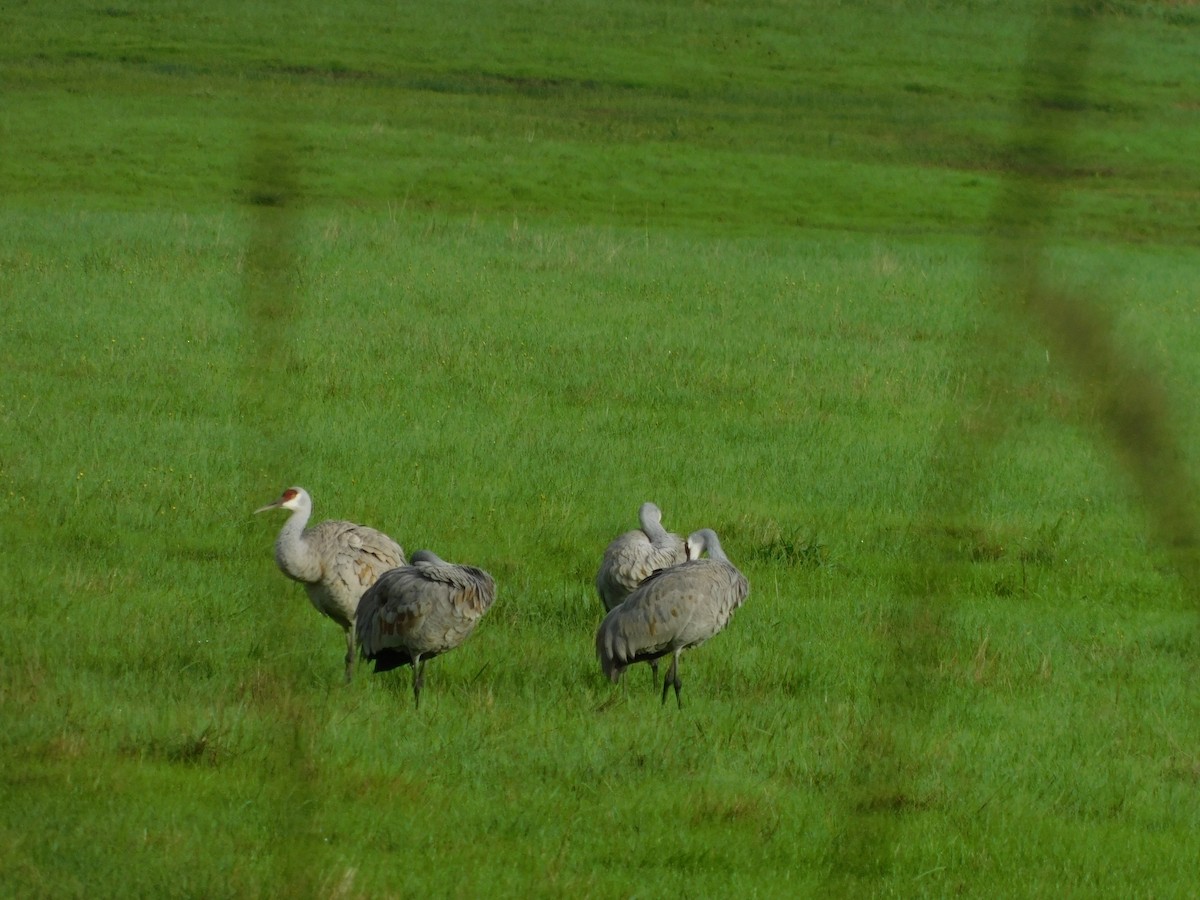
(652, 527)
(292, 552)
(712, 545)
(657, 534)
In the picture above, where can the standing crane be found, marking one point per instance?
(335, 561)
(416, 612)
(673, 610)
(634, 556)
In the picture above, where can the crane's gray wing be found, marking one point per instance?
(628, 561)
(392, 607)
(639, 629)
(674, 608)
(469, 590)
(352, 558)
(426, 609)
(710, 590)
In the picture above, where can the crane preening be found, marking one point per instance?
(673, 610)
(416, 612)
(634, 556)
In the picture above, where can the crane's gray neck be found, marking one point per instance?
(707, 538)
(426, 556)
(650, 517)
(292, 551)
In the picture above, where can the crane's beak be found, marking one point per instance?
(274, 505)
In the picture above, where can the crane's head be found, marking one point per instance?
(293, 498)
(699, 541)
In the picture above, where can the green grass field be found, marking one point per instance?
(487, 276)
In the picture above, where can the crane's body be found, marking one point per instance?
(336, 561)
(634, 556)
(673, 610)
(416, 612)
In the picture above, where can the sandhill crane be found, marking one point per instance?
(335, 561)
(415, 612)
(672, 610)
(633, 557)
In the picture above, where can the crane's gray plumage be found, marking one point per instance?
(415, 612)
(634, 556)
(673, 610)
(335, 561)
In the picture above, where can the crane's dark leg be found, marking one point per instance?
(672, 679)
(349, 654)
(654, 671)
(418, 679)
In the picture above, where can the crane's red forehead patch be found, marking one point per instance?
(290, 493)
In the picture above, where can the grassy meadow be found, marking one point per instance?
(488, 276)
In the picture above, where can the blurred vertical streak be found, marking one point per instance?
(288, 797)
(887, 776)
(269, 286)
(1133, 411)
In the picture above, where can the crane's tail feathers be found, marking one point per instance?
(612, 669)
(609, 664)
